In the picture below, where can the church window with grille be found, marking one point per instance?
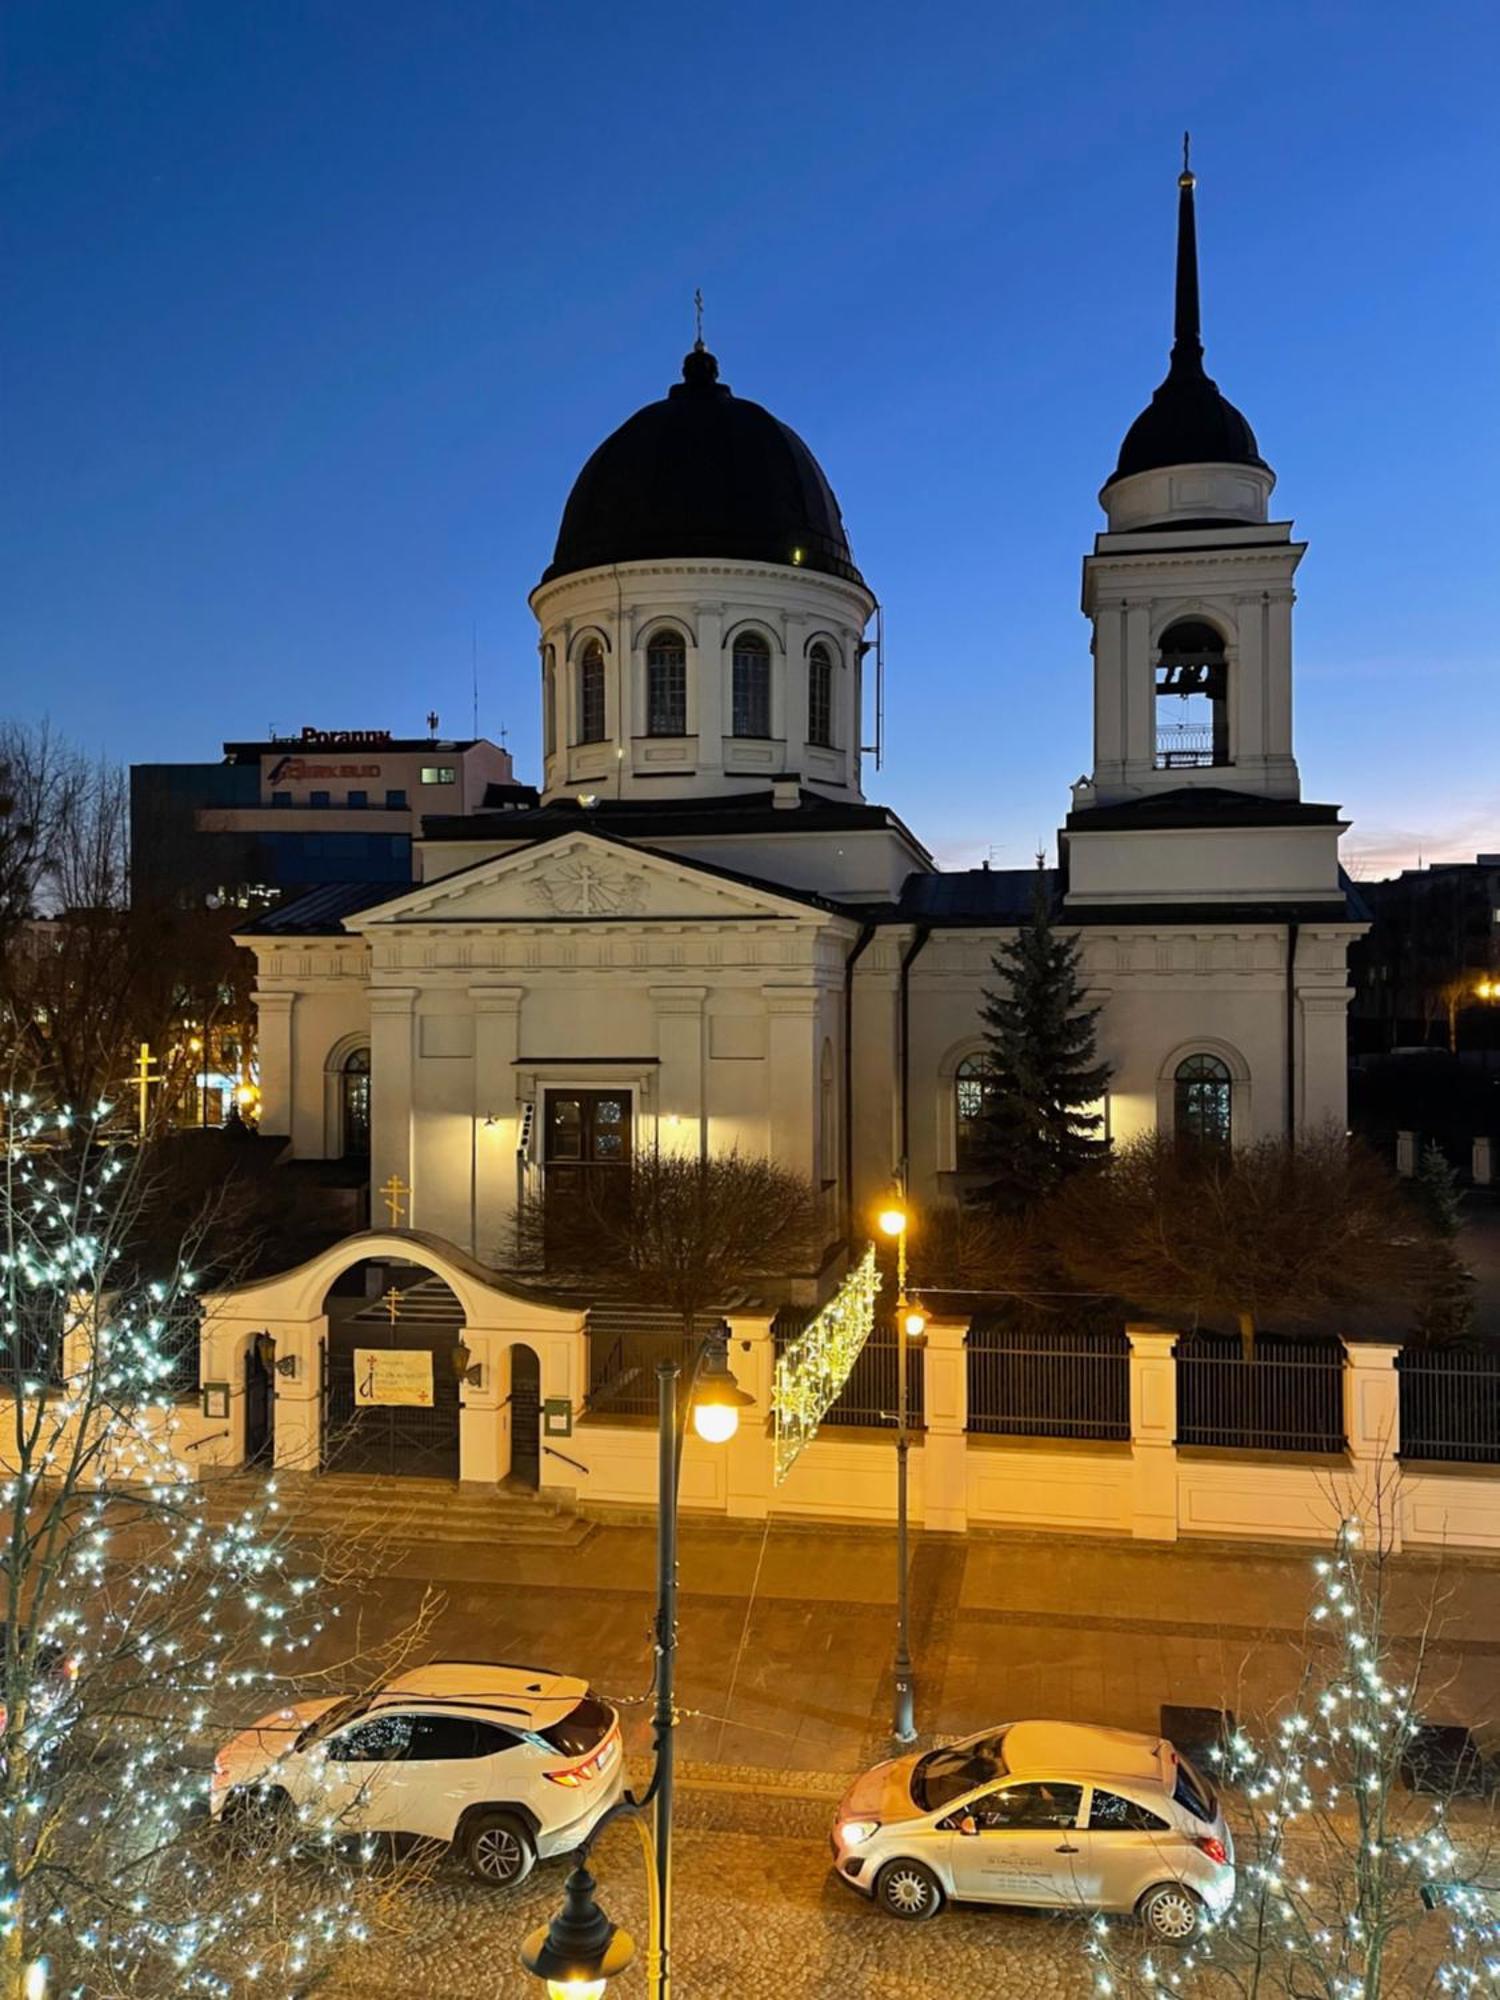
(1202, 1089)
(973, 1094)
(820, 696)
(591, 693)
(355, 1090)
(752, 685)
(666, 685)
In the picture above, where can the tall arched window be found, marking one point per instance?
(591, 693)
(1201, 1102)
(549, 700)
(973, 1094)
(752, 685)
(820, 696)
(666, 685)
(354, 1121)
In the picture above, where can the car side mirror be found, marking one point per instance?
(964, 1823)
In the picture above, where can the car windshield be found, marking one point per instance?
(332, 1718)
(945, 1775)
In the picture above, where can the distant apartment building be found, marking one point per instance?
(1431, 956)
(323, 806)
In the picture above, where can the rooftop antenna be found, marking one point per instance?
(474, 670)
(698, 320)
(432, 723)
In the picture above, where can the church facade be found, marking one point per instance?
(704, 935)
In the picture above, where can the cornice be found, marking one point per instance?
(584, 582)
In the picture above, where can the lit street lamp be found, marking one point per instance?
(581, 1950)
(911, 1324)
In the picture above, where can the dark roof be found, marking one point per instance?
(972, 896)
(651, 819)
(702, 473)
(509, 798)
(1199, 805)
(319, 912)
(1221, 915)
(1188, 421)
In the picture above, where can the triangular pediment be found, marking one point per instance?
(580, 878)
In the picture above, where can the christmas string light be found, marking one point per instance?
(813, 1368)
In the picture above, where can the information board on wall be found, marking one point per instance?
(384, 1375)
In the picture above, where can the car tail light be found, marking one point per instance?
(1214, 1849)
(574, 1775)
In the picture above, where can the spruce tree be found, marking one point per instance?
(1045, 1077)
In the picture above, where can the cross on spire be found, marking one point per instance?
(1187, 339)
(698, 319)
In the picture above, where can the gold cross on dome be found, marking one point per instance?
(393, 1190)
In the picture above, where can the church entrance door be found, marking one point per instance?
(390, 1388)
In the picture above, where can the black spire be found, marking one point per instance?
(1187, 341)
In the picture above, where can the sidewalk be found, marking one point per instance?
(786, 1631)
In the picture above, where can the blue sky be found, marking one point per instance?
(313, 311)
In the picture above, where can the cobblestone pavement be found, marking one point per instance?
(758, 1914)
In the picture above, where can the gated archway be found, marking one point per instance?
(391, 1400)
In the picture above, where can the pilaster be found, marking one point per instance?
(792, 1075)
(273, 1012)
(681, 1115)
(392, 1025)
(1372, 1426)
(497, 1032)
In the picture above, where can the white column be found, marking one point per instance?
(1139, 679)
(1484, 1161)
(1372, 1426)
(1109, 693)
(497, 1031)
(792, 1076)
(706, 711)
(750, 1465)
(273, 1014)
(1249, 689)
(680, 1110)
(392, 1027)
(299, 1397)
(1153, 1432)
(945, 1402)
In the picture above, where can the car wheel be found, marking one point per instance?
(497, 1849)
(906, 1889)
(1171, 1913)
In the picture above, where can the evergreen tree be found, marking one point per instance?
(1039, 1126)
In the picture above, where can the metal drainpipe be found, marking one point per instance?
(1291, 1031)
(856, 951)
(919, 938)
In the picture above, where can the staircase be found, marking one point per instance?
(403, 1510)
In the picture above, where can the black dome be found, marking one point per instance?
(702, 473)
(1187, 421)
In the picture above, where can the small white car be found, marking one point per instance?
(506, 1764)
(1057, 1815)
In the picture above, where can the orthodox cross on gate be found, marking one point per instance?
(392, 1304)
(393, 1190)
(147, 1072)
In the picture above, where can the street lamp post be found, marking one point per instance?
(580, 1950)
(911, 1323)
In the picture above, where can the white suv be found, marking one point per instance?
(505, 1763)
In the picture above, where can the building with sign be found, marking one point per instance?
(705, 934)
(325, 805)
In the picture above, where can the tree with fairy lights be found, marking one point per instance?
(145, 1622)
(1335, 1847)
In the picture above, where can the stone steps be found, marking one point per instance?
(406, 1510)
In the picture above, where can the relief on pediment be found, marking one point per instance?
(582, 885)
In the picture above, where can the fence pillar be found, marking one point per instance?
(1484, 1161)
(1372, 1425)
(750, 1473)
(945, 1390)
(1153, 1432)
(1406, 1154)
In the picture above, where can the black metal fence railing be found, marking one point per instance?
(1289, 1397)
(1450, 1404)
(625, 1344)
(1058, 1382)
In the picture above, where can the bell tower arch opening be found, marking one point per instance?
(1192, 698)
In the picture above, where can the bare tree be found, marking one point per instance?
(1263, 1232)
(1343, 1817)
(145, 1621)
(685, 1234)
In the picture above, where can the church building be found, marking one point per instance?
(705, 935)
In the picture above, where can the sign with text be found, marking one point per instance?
(384, 1375)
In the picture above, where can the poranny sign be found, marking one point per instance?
(392, 1375)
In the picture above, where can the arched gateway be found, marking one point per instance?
(395, 1353)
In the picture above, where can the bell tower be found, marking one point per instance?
(1189, 590)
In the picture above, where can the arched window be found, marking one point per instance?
(549, 700)
(354, 1084)
(666, 685)
(1201, 1102)
(973, 1094)
(591, 693)
(820, 696)
(1192, 698)
(752, 685)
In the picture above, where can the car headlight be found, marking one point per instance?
(854, 1831)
